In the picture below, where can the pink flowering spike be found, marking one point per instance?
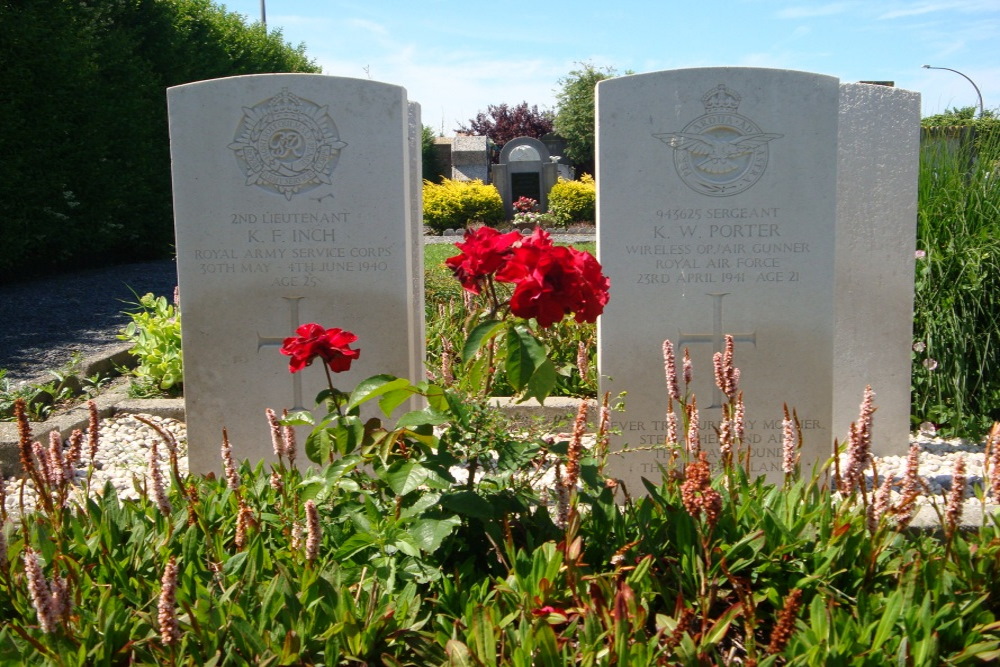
(313, 534)
(671, 422)
(670, 370)
(156, 482)
(789, 444)
(288, 440)
(693, 432)
(38, 588)
(911, 488)
(277, 443)
(956, 497)
(860, 443)
(170, 632)
(993, 447)
(232, 475)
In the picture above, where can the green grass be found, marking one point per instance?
(957, 304)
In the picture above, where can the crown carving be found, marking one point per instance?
(285, 102)
(721, 98)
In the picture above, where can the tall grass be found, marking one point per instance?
(957, 304)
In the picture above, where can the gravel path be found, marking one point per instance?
(44, 322)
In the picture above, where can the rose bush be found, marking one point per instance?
(529, 278)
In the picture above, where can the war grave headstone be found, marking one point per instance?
(878, 164)
(720, 211)
(293, 203)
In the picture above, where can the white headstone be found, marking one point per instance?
(879, 144)
(292, 204)
(718, 214)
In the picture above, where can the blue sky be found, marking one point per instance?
(455, 58)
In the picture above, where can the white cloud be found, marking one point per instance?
(963, 6)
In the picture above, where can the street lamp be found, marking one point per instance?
(981, 111)
(263, 16)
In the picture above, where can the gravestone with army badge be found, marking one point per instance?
(718, 214)
(292, 204)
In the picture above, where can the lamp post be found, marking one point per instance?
(981, 109)
(263, 15)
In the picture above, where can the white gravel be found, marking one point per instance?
(124, 443)
(122, 459)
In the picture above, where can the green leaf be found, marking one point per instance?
(468, 503)
(300, 418)
(541, 383)
(458, 654)
(482, 333)
(354, 544)
(318, 445)
(247, 638)
(524, 355)
(405, 476)
(393, 399)
(887, 623)
(428, 416)
(429, 533)
(424, 502)
(235, 564)
(374, 386)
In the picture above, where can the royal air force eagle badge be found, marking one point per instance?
(287, 145)
(720, 153)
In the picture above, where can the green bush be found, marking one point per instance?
(574, 201)
(88, 189)
(454, 204)
(155, 332)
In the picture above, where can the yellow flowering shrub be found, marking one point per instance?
(574, 201)
(454, 204)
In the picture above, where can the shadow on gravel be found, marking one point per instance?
(44, 321)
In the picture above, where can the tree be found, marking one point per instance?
(959, 116)
(432, 167)
(502, 123)
(574, 119)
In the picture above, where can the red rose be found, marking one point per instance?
(592, 285)
(483, 252)
(552, 281)
(330, 345)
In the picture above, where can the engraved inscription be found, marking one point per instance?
(264, 341)
(287, 145)
(717, 338)
(720, 153)
(720, 246)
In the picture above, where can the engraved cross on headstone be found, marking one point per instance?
(717, 338)
(262, 341)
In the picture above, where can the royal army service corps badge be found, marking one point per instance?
(287, 145)
(720, 153)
